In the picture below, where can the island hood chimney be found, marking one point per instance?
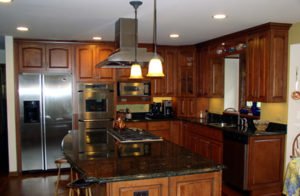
(123, 57)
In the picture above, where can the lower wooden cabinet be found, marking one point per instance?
(150, 187)
(203, 140)
(265, 163)
(188, 185)
(196, 185)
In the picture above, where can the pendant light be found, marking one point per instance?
(135, 70)
(155, 68)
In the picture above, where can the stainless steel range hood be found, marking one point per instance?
(123, 57)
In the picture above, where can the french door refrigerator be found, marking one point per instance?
(45, 117)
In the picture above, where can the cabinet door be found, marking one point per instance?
(266, 158)
(186, 77)
(197, 184)
(101, 53)
(160, 128)
(85, 62)
(202, 73)
(59, 57)
(150, 187)
(277, 85)
(216, 152)
(257, 61)
(32, 57)
(201, 146)
(176, 132)
(170, 70)
(217, 77)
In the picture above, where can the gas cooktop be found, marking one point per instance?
(133, 135)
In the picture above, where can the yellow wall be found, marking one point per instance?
(216, 105)
(274, 112)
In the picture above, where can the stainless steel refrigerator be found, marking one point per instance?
(45, 118)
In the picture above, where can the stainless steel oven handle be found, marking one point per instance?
(96, 120)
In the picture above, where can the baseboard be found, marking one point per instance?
(13, 174)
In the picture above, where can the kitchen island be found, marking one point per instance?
(163, 169)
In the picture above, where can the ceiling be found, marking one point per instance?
(192, 19)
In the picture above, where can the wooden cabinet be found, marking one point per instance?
(166, 86)
(160, 128)
(256, 67)
(187, 185)
(176, 132)
(202, 70)
(187, 107)
(150, 187)
(216, 77)
(204, 140)
(87, 57)
(198, 184)
(210, 74)
(266, 163)
(187, 71)
(44, 57)
(266, 63)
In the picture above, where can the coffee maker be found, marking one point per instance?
(167, 108)
(155, 109)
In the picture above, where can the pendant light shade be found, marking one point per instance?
(155, 68)
(136, 71)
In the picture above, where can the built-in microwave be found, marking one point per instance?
(134, 88)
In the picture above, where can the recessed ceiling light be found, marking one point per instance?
(5, 1)
(97, 38)
(219, 16)
(174, 35)
(22, 28)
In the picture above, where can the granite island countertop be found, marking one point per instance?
(106, 165)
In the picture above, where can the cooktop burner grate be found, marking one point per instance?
(133, 135)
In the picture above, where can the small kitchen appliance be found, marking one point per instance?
(155, 111)
(167, 108)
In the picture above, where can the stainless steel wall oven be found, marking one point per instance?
(95, 101)
(95, 117)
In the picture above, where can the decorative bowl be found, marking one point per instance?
(261, 125)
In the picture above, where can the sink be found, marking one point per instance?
(222, 124)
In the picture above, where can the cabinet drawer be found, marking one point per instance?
(161, 125)
(140, 125)
(162, 133)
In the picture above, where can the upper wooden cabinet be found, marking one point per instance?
(166, 86)
(216, 77)
(44, 57)
(87, 57)
(187, 71)
(266, 63)
(210, 74)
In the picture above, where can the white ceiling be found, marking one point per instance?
(192, 19)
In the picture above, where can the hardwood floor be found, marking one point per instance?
(32, 185)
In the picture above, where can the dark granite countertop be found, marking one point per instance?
(273, 129)
(106, 165)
